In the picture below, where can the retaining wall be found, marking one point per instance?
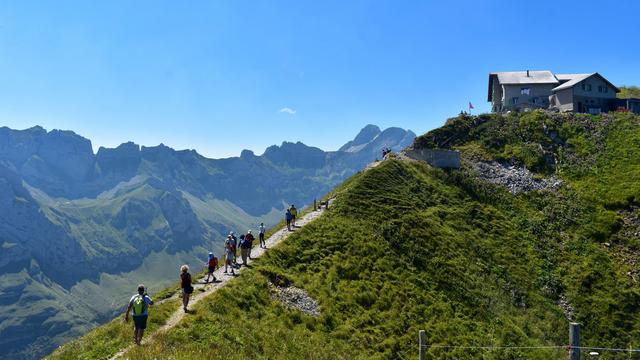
(439, 158)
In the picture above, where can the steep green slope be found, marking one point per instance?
(409, 247)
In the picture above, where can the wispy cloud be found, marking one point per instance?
(287, 110)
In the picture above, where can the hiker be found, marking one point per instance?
(287, 217)
(249, 238)
(228, 254)
(212, 265)
(294, 214)
(185, 284)
(261, 236)
(244, 249)
(139, 303)
(234, 247)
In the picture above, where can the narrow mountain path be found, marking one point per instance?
(202, 290)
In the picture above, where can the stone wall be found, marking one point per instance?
(439, 158)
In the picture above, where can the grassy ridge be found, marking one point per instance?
(400, 251)
(408, 247)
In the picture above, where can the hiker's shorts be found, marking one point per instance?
(140, 321)
(211, 269)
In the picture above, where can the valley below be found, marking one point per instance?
(78, 230)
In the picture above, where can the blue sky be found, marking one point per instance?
(215, 75)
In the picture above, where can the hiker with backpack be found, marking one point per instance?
(244, 249)
(228, 254)
(288, 217)
(234, 247)
(294, 214)
(139, 303)
(185, 284)
(249, 238)
(212, 265)
(261, 236)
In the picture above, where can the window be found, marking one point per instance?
(514, 100)
(534, 100)
(600, 88)
(606, 89)
(588, 87)
(525, 91)
(583, 87)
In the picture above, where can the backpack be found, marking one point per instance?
(213, 262)
(139, 305)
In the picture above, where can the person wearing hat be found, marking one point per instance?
(228, 254)
(244, 249)
(212, 265)
(139, 303)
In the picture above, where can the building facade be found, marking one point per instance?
(584, 93)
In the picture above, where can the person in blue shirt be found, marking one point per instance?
(139, 303)
(288, 217)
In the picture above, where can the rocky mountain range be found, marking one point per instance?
(78, 230)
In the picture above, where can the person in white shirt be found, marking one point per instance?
(261, 236)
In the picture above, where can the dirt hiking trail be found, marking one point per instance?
(202, 290)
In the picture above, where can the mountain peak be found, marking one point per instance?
(366, 135)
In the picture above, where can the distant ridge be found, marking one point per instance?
(73, 222)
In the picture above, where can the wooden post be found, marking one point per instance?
(314, 205)
(423, 344)
(574, 341)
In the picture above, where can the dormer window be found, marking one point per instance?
(525, 91)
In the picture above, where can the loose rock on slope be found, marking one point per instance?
(295, 298)
(516, 178)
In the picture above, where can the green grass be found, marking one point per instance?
(108, 339)
(628, 92)
(406, 247)
(371, 263)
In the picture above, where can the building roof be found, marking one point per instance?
(521, 78)
(566, 77)
(574, 79)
